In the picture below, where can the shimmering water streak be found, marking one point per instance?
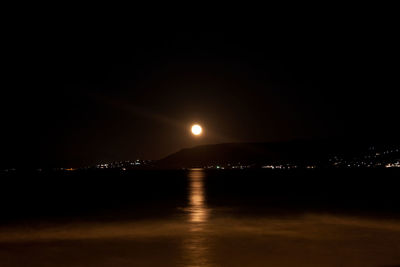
(197, 209)
(196, 246)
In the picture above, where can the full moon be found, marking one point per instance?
(196, 129)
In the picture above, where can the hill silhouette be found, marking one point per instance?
(299, 152)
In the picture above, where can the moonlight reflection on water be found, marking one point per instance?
(196, 245)
(197, 210)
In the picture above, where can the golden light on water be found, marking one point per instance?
(197, 242)
(198, 212)
(196, 129)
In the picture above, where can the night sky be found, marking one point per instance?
(75, 95)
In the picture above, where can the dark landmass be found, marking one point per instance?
(300, 153)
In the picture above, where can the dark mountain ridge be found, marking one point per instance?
(297, 152)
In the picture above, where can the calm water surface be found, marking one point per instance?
(200, 232)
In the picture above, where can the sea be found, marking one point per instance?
(198, 217)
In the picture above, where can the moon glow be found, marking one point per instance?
(196, 129)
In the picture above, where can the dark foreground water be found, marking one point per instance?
(199, 218)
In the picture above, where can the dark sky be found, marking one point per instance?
(81, 94)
